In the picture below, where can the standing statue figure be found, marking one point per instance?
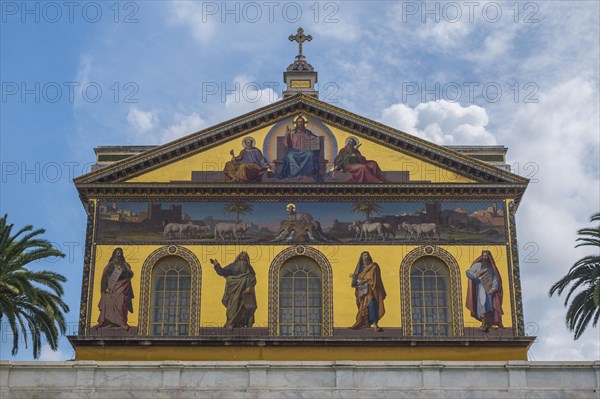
(116, 297)
(249, 165)
(239, 297)
(484, 292)
(301, 156)
(370, 293)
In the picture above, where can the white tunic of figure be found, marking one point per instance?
(484, 299)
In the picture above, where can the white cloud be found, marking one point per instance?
(344, 32)
(441, 122)
(182, 126)
(196, 17)
(434, 28)
(554, 341)
(85, 68)
(497, 44)
(564, 43)
(248, 95)
(142, 121)
(562, 132)
(341, 24)
(82, 77)
(400, 116)
(443, 35)
(554, 142)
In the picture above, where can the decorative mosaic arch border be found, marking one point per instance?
(514, 276)
(146, 280)
(89, 262)
(455, 287)
(327, 280)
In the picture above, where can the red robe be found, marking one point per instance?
(115, 304)
(361, 169)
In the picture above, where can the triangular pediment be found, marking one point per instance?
(381, 154)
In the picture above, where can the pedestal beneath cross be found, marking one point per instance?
(300, 76)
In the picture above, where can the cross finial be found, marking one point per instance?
(300, 38)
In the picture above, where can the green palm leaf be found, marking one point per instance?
(239, 208)
(30, 301)
(584, 306)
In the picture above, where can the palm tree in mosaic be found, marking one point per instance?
(367, 208)
(585, 273)
(30, 301)
(239, 208)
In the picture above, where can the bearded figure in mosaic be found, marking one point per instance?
(239, 297)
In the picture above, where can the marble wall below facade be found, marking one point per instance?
(312, 380)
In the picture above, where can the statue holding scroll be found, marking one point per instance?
(116, 295)
(484, 292)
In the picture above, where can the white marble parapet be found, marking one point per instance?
(298, 380)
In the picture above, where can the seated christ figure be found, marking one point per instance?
(301, 153)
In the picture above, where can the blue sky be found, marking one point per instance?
(519, 74)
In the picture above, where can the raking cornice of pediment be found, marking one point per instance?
(363, 127)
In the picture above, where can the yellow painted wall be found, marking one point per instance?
(211, 160)
(317, 352)
(214, 159)
(343, 261)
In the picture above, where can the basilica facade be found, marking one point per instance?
(301, 231)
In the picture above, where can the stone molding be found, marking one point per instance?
(270, 379)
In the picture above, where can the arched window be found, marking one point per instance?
(170, 293)
(430, 297)
(170, 297)
(430, 293)
(300, 298)
(300, 287)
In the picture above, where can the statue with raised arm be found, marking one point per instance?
(239, 297)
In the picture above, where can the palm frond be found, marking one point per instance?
(582, 306)
(31, 301)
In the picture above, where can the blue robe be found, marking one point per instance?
(297, 163)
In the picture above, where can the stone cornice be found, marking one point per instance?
(305, 192)
(230, 340)
(327, 113)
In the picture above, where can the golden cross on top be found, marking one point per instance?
(300, 38)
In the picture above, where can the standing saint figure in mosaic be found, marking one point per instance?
(239, 297)
(370, 293)
(484, 293)
(116, 297)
